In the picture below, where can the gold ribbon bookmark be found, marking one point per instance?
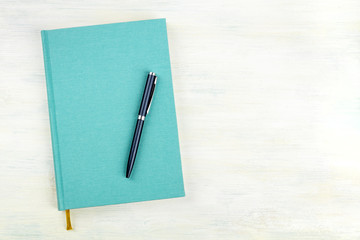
(68, 222)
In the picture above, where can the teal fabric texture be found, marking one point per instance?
(95, 77)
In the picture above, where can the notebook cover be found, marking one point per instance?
(95, 79)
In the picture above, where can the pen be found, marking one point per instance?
(143, 111)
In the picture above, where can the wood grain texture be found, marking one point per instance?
(267, 97)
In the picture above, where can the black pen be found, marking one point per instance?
(144, 110)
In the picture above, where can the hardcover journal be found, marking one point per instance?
(95, 78)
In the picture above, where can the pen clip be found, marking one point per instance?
(151, 95)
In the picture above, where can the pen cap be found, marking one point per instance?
(146, 95)
(151, 95)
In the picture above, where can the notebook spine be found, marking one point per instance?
(52, 116)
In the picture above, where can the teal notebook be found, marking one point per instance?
(95, 79)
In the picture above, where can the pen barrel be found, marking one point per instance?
(134, 147)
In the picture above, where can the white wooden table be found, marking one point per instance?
(268, 102)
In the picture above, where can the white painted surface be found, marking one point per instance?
(267, 96)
